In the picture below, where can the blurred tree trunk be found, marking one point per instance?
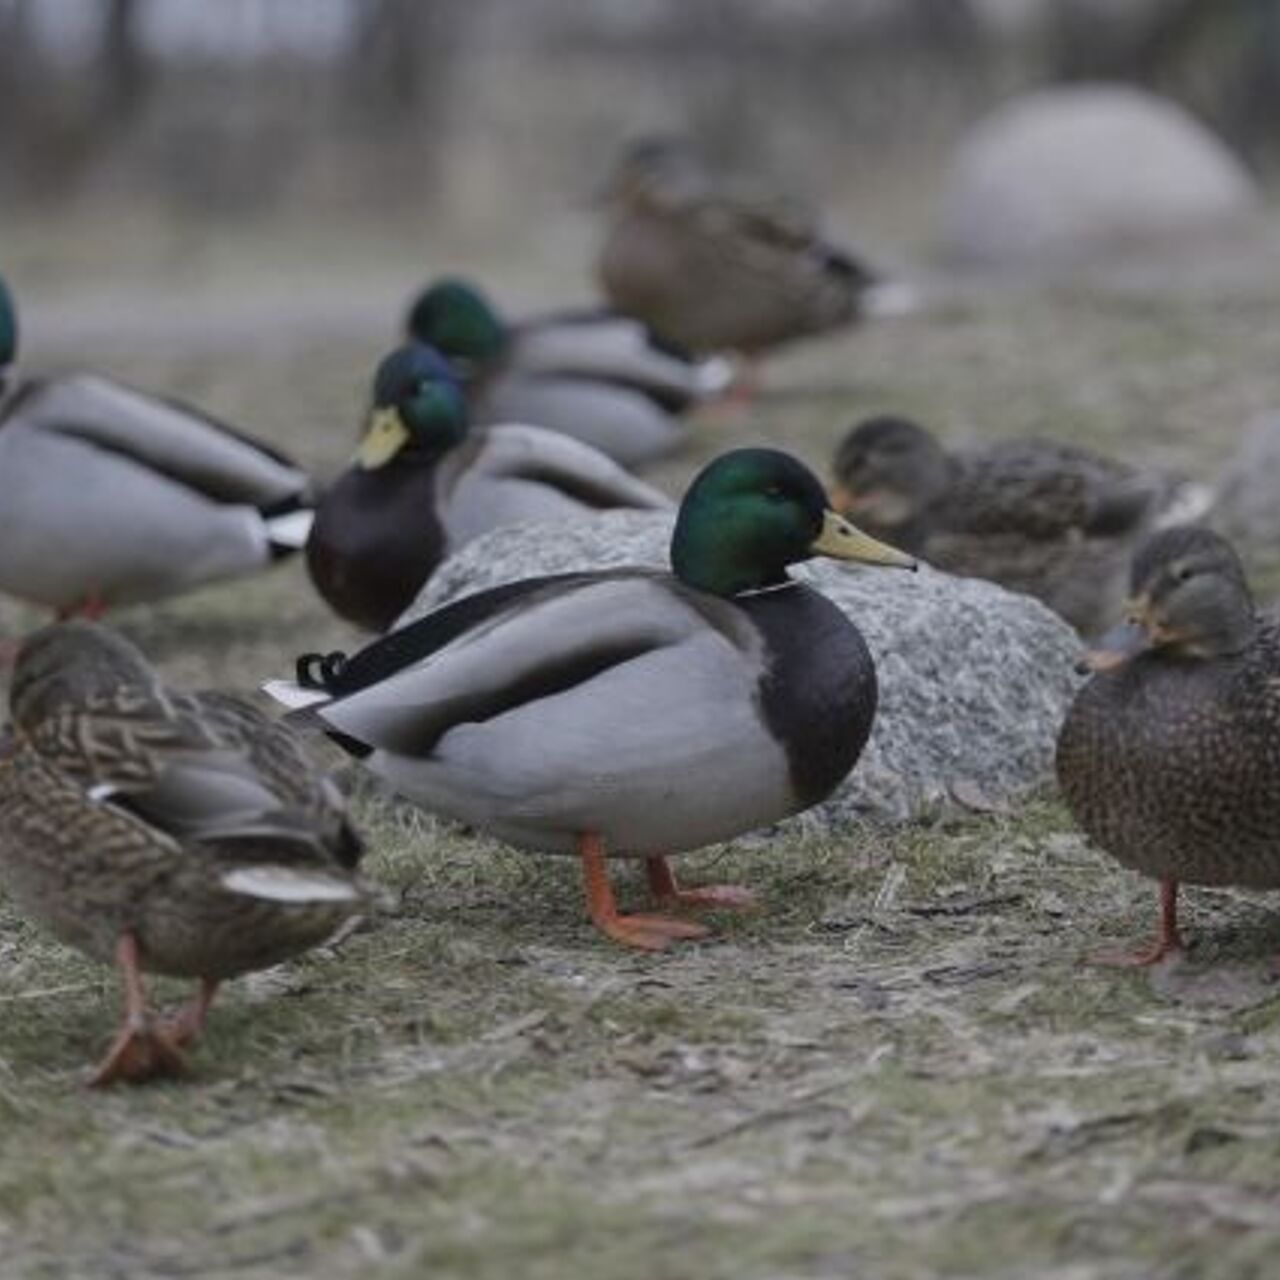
(124, 78)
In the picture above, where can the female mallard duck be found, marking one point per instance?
(421, 486)
(176, 833)
(1047, 519)
(716, 270)
(628, 712)
(109, 496)
(1168, 756)
(598, 376)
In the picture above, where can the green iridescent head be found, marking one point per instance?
(457, 319)
(752, 512)
(418, 409)
(8, 326)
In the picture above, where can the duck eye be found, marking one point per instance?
(1184, 573)
(775, 493)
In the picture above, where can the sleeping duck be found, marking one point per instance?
(176, 833)
(598, 376)
(423, 483)
(717, 269)
(628, 712)
(1168, 756)
(1051, 520)
(111, 496)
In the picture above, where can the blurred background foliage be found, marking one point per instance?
(452, 106)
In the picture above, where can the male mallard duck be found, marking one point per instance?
(1168, 757)
(176, 833)
(717, 270)
(421, 485)
(1047, 519)
(110, 496)
(628, 712)
(598, 376)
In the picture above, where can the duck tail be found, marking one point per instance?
(288, 525)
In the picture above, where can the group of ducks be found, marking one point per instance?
(615, 713)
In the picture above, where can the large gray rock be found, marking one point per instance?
(1247, 508)
(974, 680)
(1060, 175)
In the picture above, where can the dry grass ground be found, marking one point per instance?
(899, 1069)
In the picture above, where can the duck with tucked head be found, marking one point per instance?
(1170, 755)
(167, 832)
(717, 269)
(423, 484)
(596, 375)
(111, 496)
(628, 712)
(1048, 519)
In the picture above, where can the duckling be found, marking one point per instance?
(628, 712)
(1170, 755)
(110, 496)
(598, 376)
(422, 484)
(167, 832)
(718, 270)
(1053, 521)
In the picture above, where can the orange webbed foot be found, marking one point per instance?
(715, 897)
(1168, 941)
(649, 933)
(142, 1051)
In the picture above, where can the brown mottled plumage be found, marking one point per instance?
(717, 270)
(185, 834)
(1170, 755)
(1047, 519)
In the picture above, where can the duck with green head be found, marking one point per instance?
(598, 376)
(628, 712)
(423, 483)
(110, 496)
(1170, 755)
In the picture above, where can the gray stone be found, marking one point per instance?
(974, 680)
(1063, 174)
(1247, 509)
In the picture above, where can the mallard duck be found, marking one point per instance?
(628, 712)
(714, 269)
(111, 496)
(422, 484)
(175, 833)
(596, 375)
(1047, 519)
(1168, 756)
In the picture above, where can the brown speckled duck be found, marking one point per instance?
(714, 269)
(1048, 519)
(1170, 756)
(183, 834)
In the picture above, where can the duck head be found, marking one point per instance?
(453, 316)
(752, 512)
(888, 471)
(1189, 600)
(654, 167)
(418, 411)
(8, 328)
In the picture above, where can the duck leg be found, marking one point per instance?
(142, 1050)
(93, 607)
(666, 889)
(649, 933)
(1168, 940)
(187, 1025)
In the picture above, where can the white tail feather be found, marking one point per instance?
(294, 696)
(287, 884)
(291, 529)
(1189, 504)
(892, 298)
